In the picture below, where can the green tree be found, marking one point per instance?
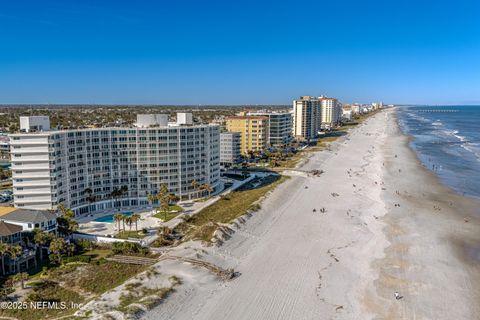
(90, 196)
(151, 198)
(134, 218)
(14, 252)
(128, 221)
(41, 238)
(58, 246)
(66, 223)
(195, 184)
(123, 221)
(207, 188)
(118, 218)
(66, 212)
(4, 248)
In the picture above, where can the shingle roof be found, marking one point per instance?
(5, 210)
(7, 229)
(26, 215)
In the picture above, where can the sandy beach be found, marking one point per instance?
(389, 226)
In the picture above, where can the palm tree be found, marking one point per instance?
(90, 196)
(40, 238)
(115, 194)
(15, 252)
(66, 212)
(58, 246)
(165, 198)
(134, 218)
(129, 221)
(151, 198)
(118, 218)
(123, 221)
(123, 190)
(70, 249)
(195, 184)
(3, 251)
(207, 188)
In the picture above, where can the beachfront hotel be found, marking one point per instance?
(96, 169)
(253, 132)
(279, 127)
(306, 118)
(330, 112)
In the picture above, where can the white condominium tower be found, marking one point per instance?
(331, 111)
(95, 169)
(306, 118)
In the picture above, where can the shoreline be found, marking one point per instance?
(438, 226)
(436, 177)
(348, 261)
(411, 139)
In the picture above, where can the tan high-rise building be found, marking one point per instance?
(306, 118)
(331, 111)
(253, 132)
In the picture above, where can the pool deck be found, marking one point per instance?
(89, 225)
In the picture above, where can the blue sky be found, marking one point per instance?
(239, 52)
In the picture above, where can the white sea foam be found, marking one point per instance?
(470, 147)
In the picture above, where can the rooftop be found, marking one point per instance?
(248, 117)
(5, 210)
(170, 125)
(26, 215)
(7, 229)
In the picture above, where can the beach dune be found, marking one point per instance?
(388, 226)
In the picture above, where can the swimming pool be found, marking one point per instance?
(109, 218)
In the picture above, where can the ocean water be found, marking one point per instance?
(447, 141)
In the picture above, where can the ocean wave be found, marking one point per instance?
(459, 137)
(417, 117)
(470, 147)
(437, 123)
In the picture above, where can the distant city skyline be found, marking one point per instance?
(235, 53)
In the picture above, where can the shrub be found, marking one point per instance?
(85, 259)
(128, 248)
(85, 245)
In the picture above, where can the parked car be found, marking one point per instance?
(6, 193)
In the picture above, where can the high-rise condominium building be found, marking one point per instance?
(253, 132)
(229, 148)
(280, 127)
(306, 118)
(331, 111)
(96, 169)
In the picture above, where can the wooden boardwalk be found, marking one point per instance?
(222, 273)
